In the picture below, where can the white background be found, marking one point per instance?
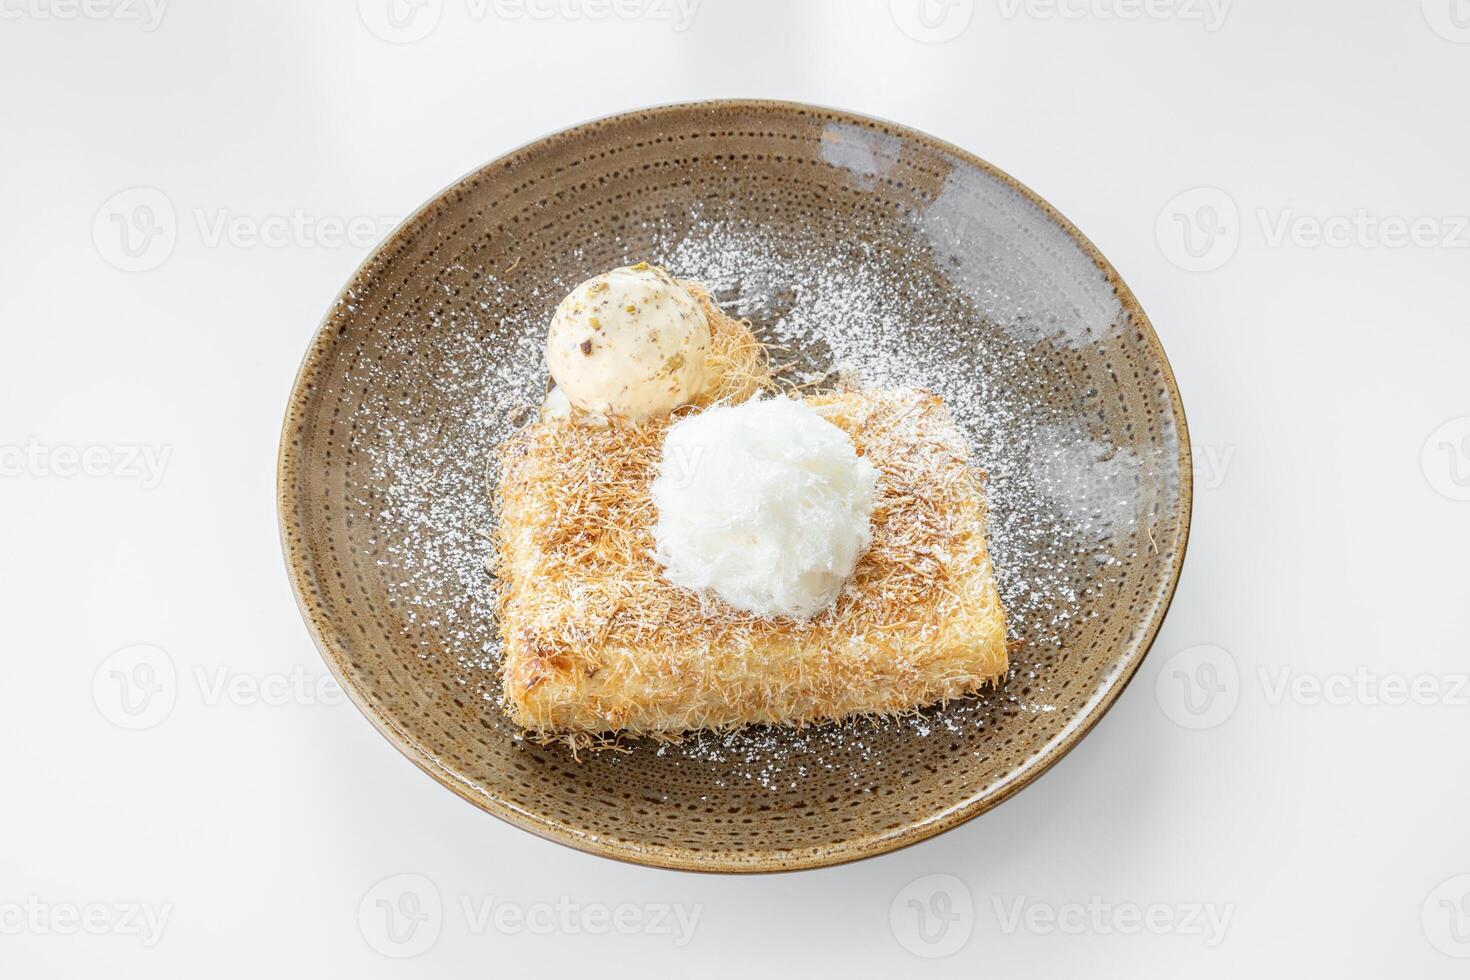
(1327, 831)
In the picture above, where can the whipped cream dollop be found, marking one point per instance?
(766, 504)
(631, 342)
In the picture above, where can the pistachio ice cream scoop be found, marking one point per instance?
(631, 342)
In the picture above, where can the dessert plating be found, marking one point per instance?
(599, 640)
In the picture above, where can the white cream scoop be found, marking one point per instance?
(765, 504)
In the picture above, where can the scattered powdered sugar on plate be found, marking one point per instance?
(855, 310)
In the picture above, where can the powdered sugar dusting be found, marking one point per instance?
(855, 308)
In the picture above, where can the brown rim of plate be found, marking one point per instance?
(288, 461)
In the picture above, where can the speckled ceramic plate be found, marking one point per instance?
(851, 243)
